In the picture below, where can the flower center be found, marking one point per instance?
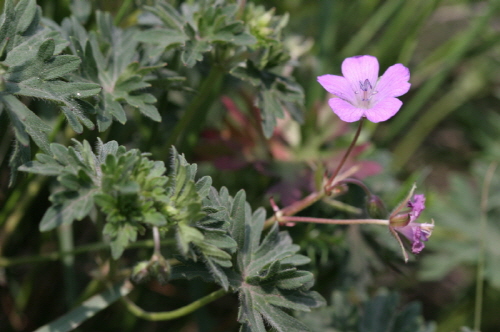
(367, 91)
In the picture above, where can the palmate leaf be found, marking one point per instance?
(110, 58)
(201, 233)
(31, 67)
(269, 282)
(78, 172)
(198, 27)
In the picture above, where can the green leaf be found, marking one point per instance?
(267, 279)
(199, 234)
(193, 51)
(109, 58)
(33, 68)
(26, 123)
(198, 28)
(75, 206)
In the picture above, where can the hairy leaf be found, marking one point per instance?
(269, 281)
(32, 67)
(198, 27)
(110, 58)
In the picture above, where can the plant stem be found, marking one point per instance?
(157, 241)
(122, 11)
(335, 221)
(16, 207)
(305, 202)
(330, 183)
(66, 244)
(169, 315)
(482, 233)
(198, 107)
(241, 8)
(359, 184)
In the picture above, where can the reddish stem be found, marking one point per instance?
(329, 185)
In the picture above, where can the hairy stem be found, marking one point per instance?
(307, 201)
(169, 315)
(335, 221)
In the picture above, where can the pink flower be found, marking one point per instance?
(417, 233)
(361, 93)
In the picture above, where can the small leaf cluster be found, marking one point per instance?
(132, 196)
(246, 42)
(198, 28)
(135, 194)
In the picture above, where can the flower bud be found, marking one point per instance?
(399, 220)
(375, 207)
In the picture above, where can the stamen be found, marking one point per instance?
(366, 87)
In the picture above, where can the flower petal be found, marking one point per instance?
(338, 86)
(359, 68)
(393, 83)
(383, 110)
(417, 205)
(345, 110)
(417, 247)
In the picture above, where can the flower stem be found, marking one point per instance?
(157, 241)
(295, 207)
(169, 315)
(330, 183)
(359, 184)
(334, 221)
(198, 108)
(482, 233)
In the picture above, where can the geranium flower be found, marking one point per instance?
(417, 233)
(361, 93)
(403, 220)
